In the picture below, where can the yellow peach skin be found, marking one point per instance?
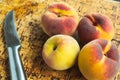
(60, 18)
(99, 60)
(95, 26)
(60, 52)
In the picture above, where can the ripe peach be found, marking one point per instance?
(60, 18)
(95, 26)
(99, 60)
(60, 52)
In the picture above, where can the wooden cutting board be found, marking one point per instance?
(28, 21)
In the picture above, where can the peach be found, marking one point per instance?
(95, 26)
(60, 18)
(60, 52)
(99, 60)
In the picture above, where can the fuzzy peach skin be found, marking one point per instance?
(95, 26)
(60, 52)
(60, 18)
(99, 60)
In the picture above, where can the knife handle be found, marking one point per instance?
(16, 67)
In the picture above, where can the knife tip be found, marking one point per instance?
(11, 12)
(9, 16)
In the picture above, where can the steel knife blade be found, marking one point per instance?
(11, 36)
(13, 45)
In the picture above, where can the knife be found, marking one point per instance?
(13, 45)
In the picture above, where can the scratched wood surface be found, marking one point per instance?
(28, 21)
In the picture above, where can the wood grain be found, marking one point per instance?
(28, 21)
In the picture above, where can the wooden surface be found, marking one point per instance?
(27, 18)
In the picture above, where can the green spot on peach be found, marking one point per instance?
(60, 52)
